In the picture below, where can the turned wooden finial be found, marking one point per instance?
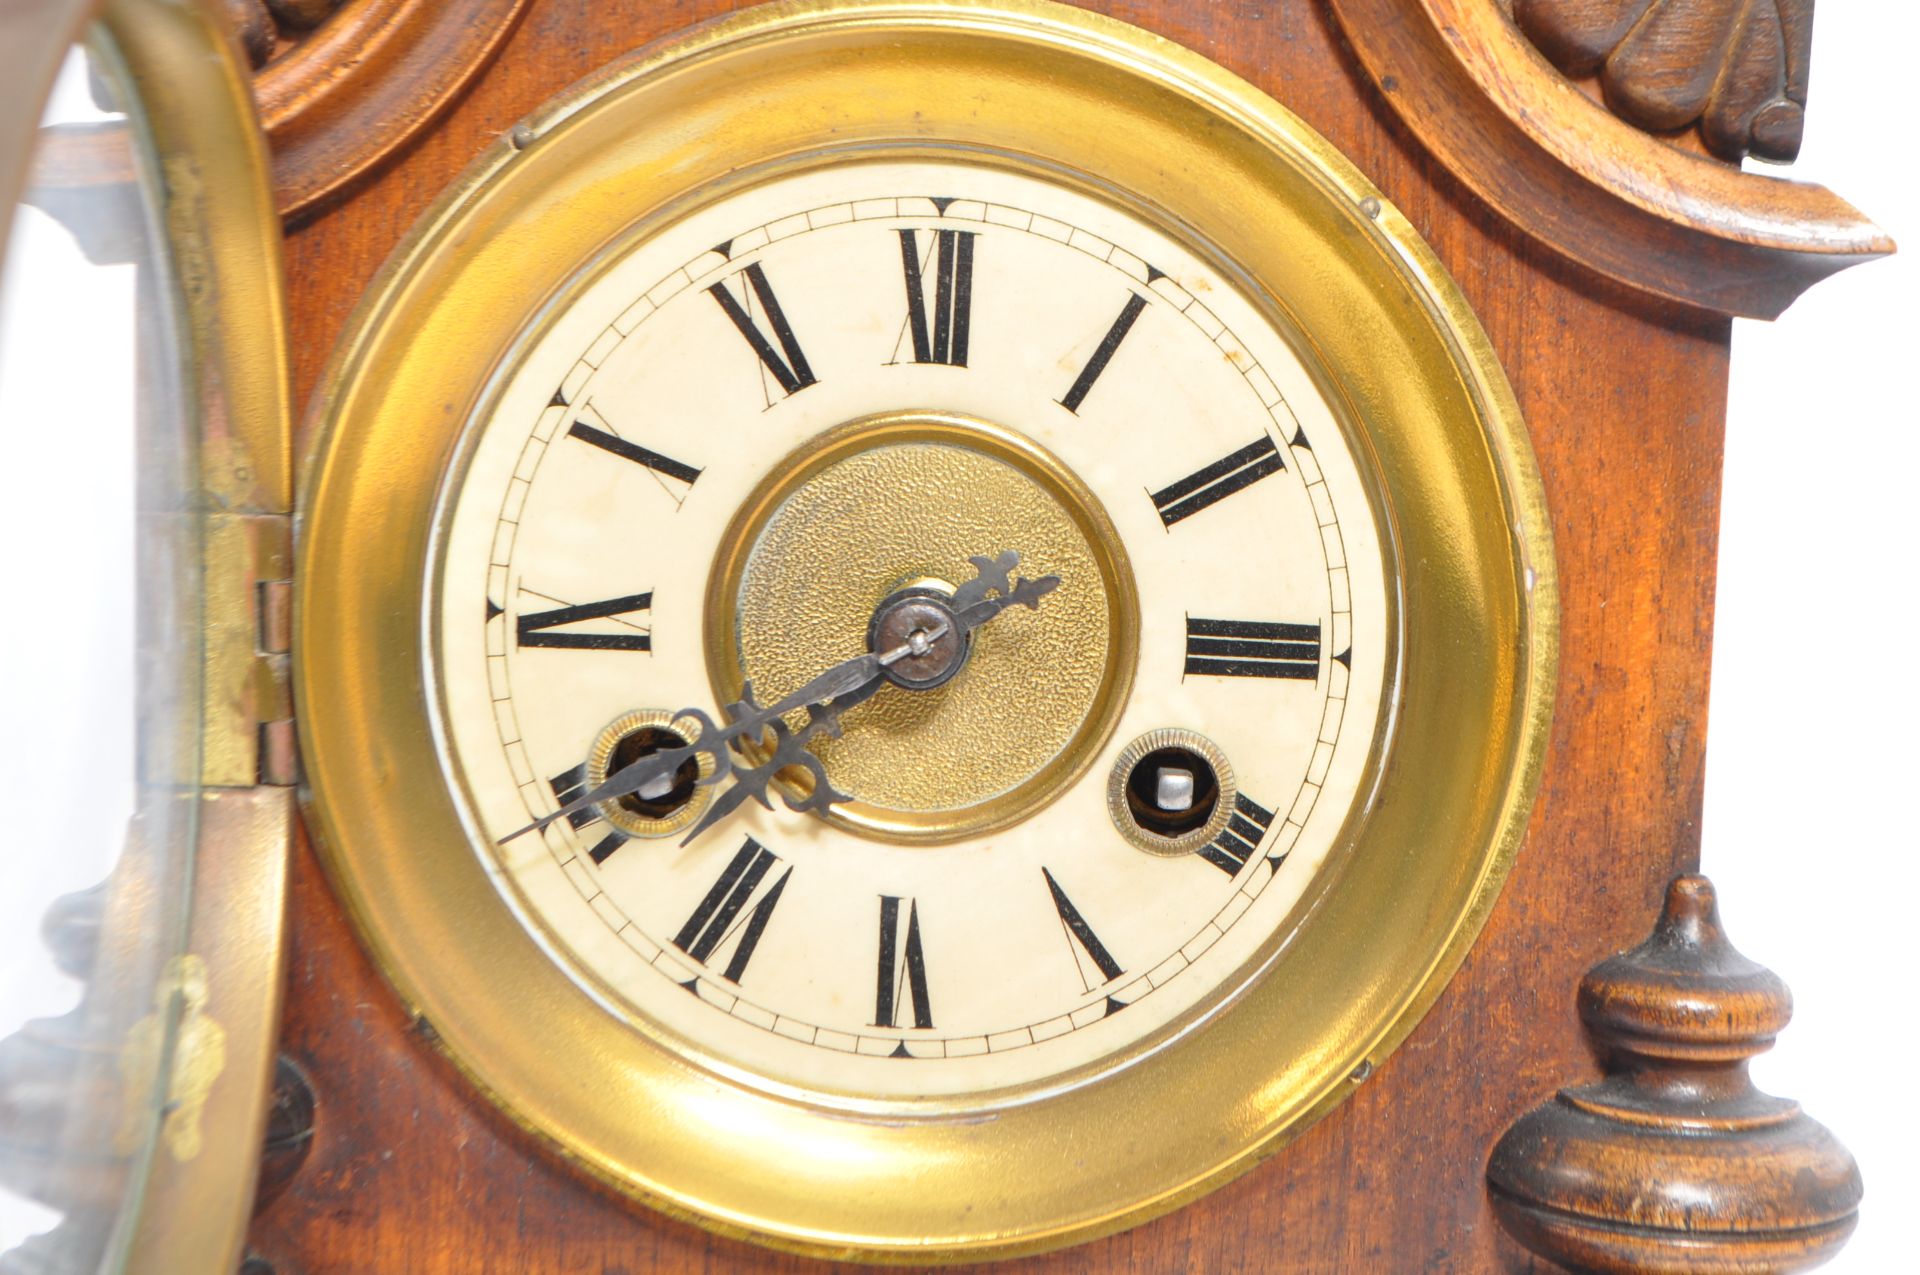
(1675, 1162)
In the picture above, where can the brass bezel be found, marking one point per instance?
(1031, 84)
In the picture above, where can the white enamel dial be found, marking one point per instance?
(984, 924)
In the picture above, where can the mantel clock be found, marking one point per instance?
(959, 631)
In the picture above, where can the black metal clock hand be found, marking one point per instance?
(824, 698)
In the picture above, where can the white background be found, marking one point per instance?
(1812, 764)
(1809, 832)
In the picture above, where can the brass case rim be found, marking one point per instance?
(1381, 929)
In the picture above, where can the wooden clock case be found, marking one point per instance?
(1605, 264)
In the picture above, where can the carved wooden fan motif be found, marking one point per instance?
(1737, 68)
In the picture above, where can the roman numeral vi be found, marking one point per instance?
(903, 966)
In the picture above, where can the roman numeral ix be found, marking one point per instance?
(539, 628)
(717, 920)
(1240, 839)
(903, 966)
(1217, 481)
(791, 371)
(944, 338)
(569, 784)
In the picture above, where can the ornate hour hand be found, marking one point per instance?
(919, 640)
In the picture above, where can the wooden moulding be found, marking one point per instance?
(367, 79)
(1675, 1162)
(1588, 184)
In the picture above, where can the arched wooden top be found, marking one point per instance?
(1564, 169)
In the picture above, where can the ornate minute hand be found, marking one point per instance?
(825, 697)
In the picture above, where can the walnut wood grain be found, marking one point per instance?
(413, 1171)
(1736, 68)
(1675, 1163)
(1563, 168)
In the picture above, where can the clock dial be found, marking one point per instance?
(822, 406)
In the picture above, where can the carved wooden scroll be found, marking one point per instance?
(1565, 169)
(1737, 68)
(1675, 1162)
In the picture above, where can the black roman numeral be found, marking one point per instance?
(717, 919)
(792, 371)
(1240, 839)
(1080, 932)
(1103, 354)
(634, 452)
(944, 339)
(1252, 648)
(569, 784)
(902, 966)
(538, 628)
(1217, 481)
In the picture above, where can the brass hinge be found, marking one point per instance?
(247, 728)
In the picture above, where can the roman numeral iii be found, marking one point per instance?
(788, 364)
(717, 921)
(940, 335)
(554, 628)
(903, 966)
(1214, 483)
(1253, 648)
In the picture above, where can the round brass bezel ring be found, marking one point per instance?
(1189, 842)
(599, 763)
(1078, 98)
